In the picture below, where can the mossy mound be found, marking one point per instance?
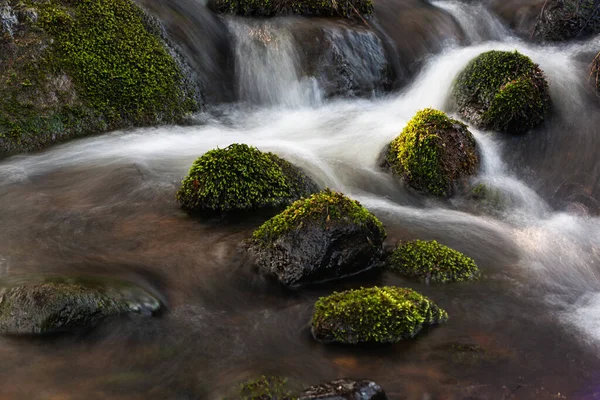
(263, 388)
(50, 305)
(432, 262)
(433, 153)
(323, 237)
(70, 68)
(502, 91)
(373, 315)
(318, 8)
(239, 178)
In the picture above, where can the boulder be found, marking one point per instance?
(241, 178)
(433, 154)
(345, 389)
(373, 315)
(57, 305)
(432, 262)
(73, 68)
(502, 91)
(324, 237)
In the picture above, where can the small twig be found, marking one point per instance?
(360, 16)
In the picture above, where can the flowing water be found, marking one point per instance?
(105, 205)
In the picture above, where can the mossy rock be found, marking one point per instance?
(373, 315)
(324, 237)
(502, 91)
(69, 68)
(432, 262)
(353, 9)
(241, 178)
(50, 305)
(561, 20)
(433, 153)
(341, 389)
(263, 388)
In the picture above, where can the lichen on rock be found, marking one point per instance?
(502, 91)
(74, 68)
(373, 315)
(323, 237)
(433, 262)
(433, 153)
(241, 178)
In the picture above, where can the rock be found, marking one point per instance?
(263, 388)
(257, 8)
(433, 153)
(57, 305)
(502, 91)
(373, 315)
(345, 389)
(71, 68)
(432, 262)
(324, 237)
(561, 20)
(241, 178)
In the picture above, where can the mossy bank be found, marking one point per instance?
(70, 68)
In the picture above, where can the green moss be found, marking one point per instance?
(432, 262)
(433, 152)
(270, 8)
(265, 388)
(84, 66)
(503, 91)
(377, 315)
(320, 208)
(241, 177)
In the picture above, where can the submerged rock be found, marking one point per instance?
(373, 315)
(502, 91)
(73, 68)
(433, 153)
(324, 237)
(56, 305)
(345, 389)
(432, 262)
(240, 178)
(263, 388)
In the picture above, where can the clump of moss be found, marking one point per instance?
(376, 315)
(433, 153)
(265, 388)
(432, 262)
(503, 91)
(322, 209)
(319, 8)
(76, 67)
(240, 177)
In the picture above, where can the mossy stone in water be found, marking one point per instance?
(264, 388)
(319, 8)
(433, 153)
(373, 315)
(323, 237)
(432, 262)
(502, 91)
(240, 177)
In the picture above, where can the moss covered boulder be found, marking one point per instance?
(324, 237)
(240, 178)
(373, 315)
(42, 306)
(353, 9)
(560, 20)
(432, 262)
(69, 68)
(433, 153)
(502, 91)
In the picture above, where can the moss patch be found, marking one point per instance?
(264, 388)
(432, 262)
(74, 67)
(240, 177)
(502, 91)
(320, 208)
(433, 153)
(376, 315)
(321, 8)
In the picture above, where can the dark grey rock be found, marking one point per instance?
(56, 305)
(345, 389)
